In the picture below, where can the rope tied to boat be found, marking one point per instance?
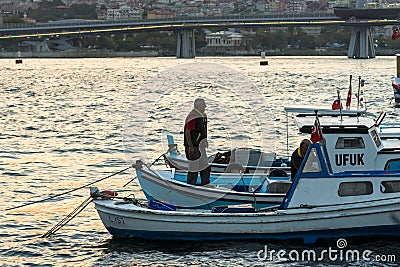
(68, 218)
(83, 186)
(138, 165)
(69, 191)
(94, 194)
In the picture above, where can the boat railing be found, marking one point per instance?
(257, 168)
(393, 125)
(389, 130)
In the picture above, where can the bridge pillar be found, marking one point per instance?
(185, 47)
(361, 43)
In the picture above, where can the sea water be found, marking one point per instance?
(66, 123)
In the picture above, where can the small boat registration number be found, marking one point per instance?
(116, 219)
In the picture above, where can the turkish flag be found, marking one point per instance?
(337, 105)
(395, 35)
(316, 134)
(348, 100)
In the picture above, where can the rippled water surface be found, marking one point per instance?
(69, 122)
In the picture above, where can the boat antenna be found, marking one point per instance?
(358, 94)
(365, 99)
(380, 118)
(340, 104)
(348, 101)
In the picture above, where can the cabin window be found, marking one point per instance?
(390, 187)
(312, 163)
(376, 138)
(393, 164)
(349, 142)
(355, 189)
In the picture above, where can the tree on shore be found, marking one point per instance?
(12, 19)
(56, 10)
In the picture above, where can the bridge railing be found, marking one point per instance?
(182, 19)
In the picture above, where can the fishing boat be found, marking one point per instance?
(249, 160)
(169, 186)
(320, 203)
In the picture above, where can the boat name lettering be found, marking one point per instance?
(349, 159)
(116, 219)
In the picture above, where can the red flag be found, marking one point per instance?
(336, 105)
(395, 35)
(316, 134)
(348, 100)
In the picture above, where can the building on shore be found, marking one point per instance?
(227, 41)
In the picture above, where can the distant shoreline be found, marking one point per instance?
(112, 54)
(78, 54)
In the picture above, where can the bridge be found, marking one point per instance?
(361, 43)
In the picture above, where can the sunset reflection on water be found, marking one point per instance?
(63, 125)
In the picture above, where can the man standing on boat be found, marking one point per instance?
(195, 141)
(298, 156)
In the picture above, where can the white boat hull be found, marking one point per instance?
(373, 218)
(183, 195)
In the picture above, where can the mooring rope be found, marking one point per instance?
(67, 192)
(68, 218)
(83, 205)
(154, 162)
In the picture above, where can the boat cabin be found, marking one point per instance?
(317, 184)
(356, 143)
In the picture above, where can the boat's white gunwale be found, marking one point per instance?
(200, 191)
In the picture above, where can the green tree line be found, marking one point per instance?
(297, 38)
(160, 41)
(52, 10)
